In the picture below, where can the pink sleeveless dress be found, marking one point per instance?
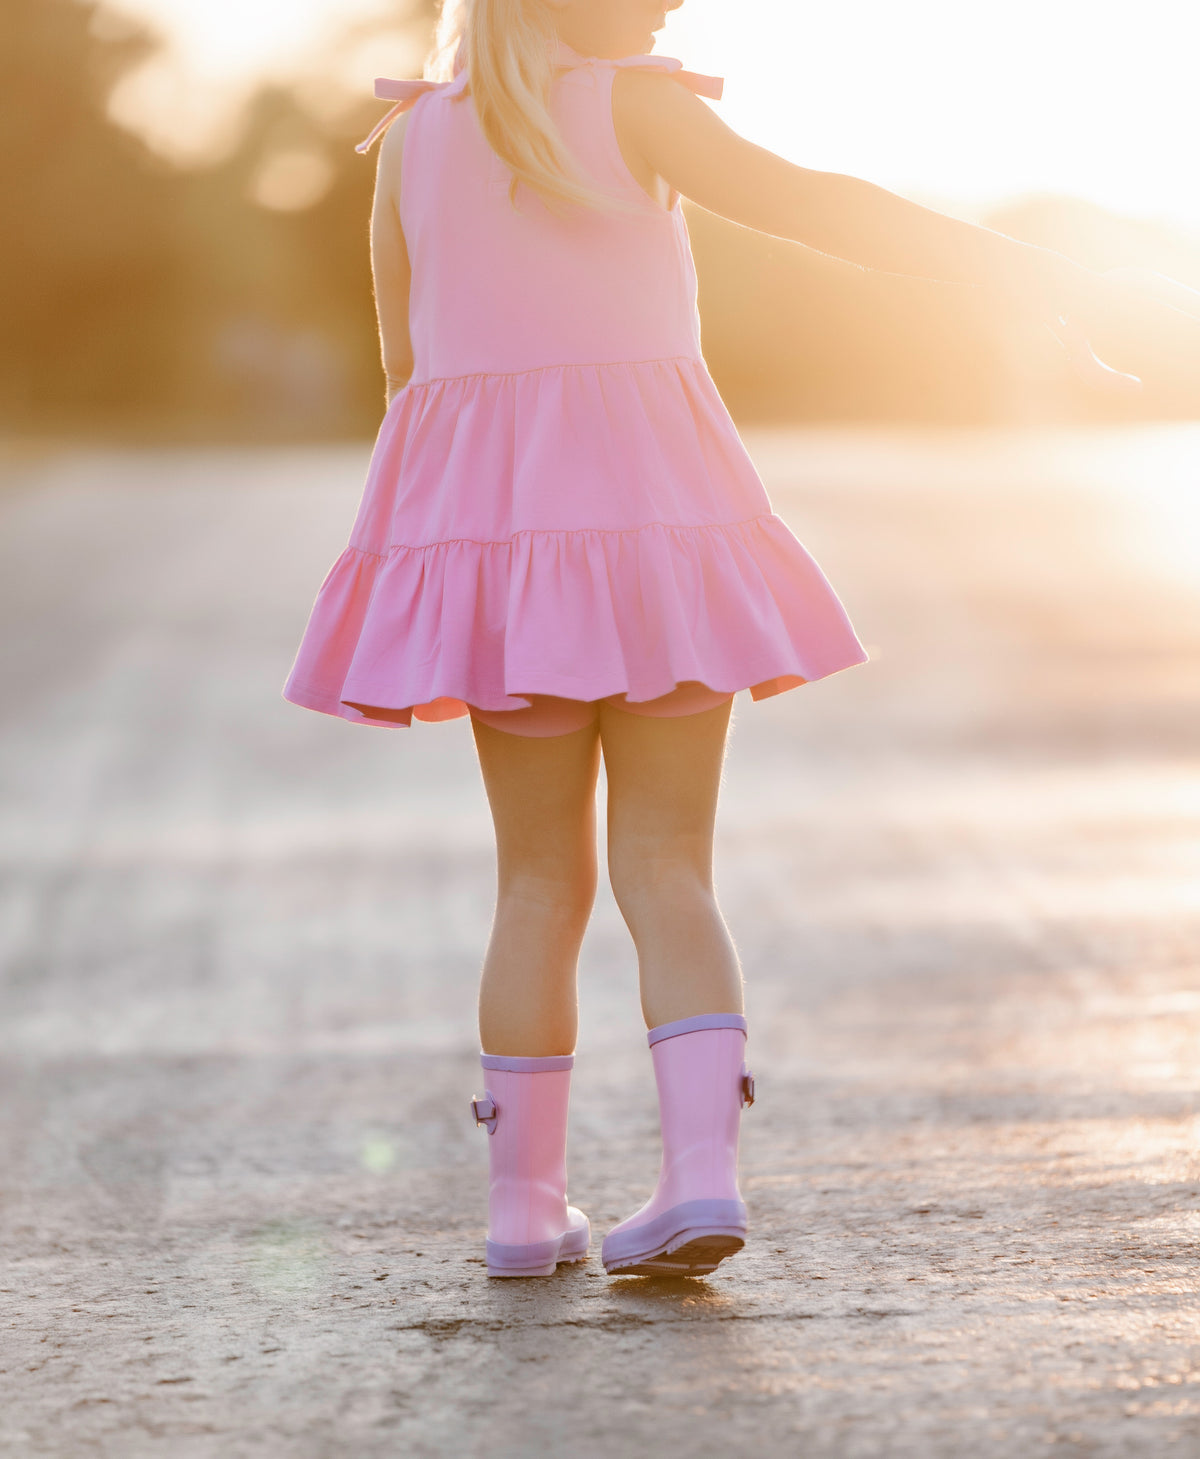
(558, 502)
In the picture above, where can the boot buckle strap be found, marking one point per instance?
(485, 1112)
(747, 1087)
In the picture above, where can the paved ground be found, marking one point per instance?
(242, 1200)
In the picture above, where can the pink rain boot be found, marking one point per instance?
(530, 1226)
(696, 1217)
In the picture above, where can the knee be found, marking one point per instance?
(648, 878)
(558, 889)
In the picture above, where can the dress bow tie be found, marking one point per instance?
(404, 94)
(710, 86)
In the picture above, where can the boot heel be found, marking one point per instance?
(534, 1259)
(531, 1229)
(540, 1258)
(696, 1217)
(688, 1240)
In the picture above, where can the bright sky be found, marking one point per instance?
(953, 100)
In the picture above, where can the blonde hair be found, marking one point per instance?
(507, 49)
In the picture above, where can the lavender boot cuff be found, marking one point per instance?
(527, 1066)
(694, 1025)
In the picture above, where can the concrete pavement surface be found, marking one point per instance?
(243, 1203)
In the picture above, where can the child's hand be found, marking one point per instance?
(1128, 302)
(1087, 364)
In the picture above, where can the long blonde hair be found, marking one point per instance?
(507, 48)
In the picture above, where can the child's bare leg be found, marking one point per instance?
(542, 793)
(663, 780)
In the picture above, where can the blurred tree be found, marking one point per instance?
(87, 263)
(792, 334)
(280, 316)
(233, 299)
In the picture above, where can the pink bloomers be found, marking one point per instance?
(548, 715)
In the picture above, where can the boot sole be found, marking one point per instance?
(538, 1258)
(696, 1257)
(690, 1240)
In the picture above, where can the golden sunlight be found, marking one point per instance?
(185, 100)
(966, 103)
(956, 104)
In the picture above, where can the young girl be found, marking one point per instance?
(563, 536)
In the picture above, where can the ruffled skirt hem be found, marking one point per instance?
(423, 632)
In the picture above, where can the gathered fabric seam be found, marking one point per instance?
(560, 532)
(564, 365)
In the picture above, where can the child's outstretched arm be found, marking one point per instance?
(390, 265)
(676, 135)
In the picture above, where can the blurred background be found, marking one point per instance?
(241, 1203)
(186, 256)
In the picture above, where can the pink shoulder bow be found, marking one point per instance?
(404, 94)
(710, 86)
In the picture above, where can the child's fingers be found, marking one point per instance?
(1147, 322)
(1086, 363)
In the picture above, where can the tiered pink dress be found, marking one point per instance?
(558, 502)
